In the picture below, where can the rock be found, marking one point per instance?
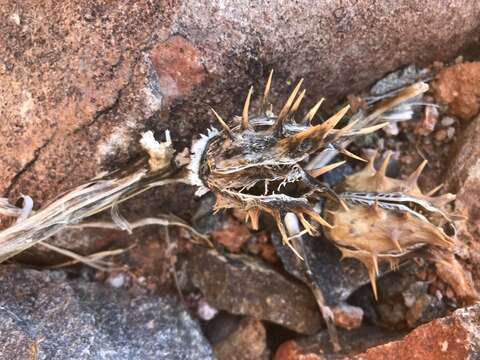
(336, 278)
(404, 301)
(82, 81)
(430, 118)
(245, 285)
(233, 234)
(318, 347)
(248, 341)
(458, 87)
(347, 316)
(45, 315)
(454, 337)
(463, 178)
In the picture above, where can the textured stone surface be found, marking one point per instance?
(318, 347)
(454, 337)
(43, 315)
(245, 285)
(79, 80)
(248, 341)
(459, 87)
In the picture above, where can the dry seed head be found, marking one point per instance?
(387, 218)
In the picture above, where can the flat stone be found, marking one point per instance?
(45, 315)
(245, 285)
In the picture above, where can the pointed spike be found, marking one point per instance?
(352, 155)
(375, 264)
(334, 120)
(373, 282)
(322, 129)
(222, 123)
(296, 104)
(246, 106)
(325, 169)
(310, 229)
(266, 91)
(344, 131)
(317, 218)
(371, 129)
(311, 113)
(394, 236)
(435, 190)
(253, 214)
(383, 168)
(413, 178)
(288, 104)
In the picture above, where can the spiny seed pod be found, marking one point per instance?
(386, 218)
(249, 163)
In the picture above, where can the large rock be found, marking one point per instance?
(80, 80)
(244, 285)
(454, 337)
(43, 315)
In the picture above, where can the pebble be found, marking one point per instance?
(447, 121)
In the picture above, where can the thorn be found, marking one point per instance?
(252, 214)
(311, 113)
(325, 169)
(322, 129)
(343, 131)
(246, 106)
(296, 104)
(287, 106)
(395, 235)
(375, 264)
(352, 155)
(223, 124)
(383, 168)
(435, 190)
(373, 282)
(317, 218)
(266, 91)
(413, 178)
(371, 129)
(310, 229)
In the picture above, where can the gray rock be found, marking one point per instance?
(244, 285)
(45, 315)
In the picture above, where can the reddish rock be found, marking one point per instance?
(459, 87)
(178, 66)
(233, 235)
(454, 337)
(291, 351)
(347, 316)
(248, 341)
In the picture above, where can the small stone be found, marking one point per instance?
(450, 132)
(447, 121)
(428, 122)
(233, 234)
(205, 311)
(441, 135)
(116, 280)
(347, 316)
(248, 341)
(245, 285)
